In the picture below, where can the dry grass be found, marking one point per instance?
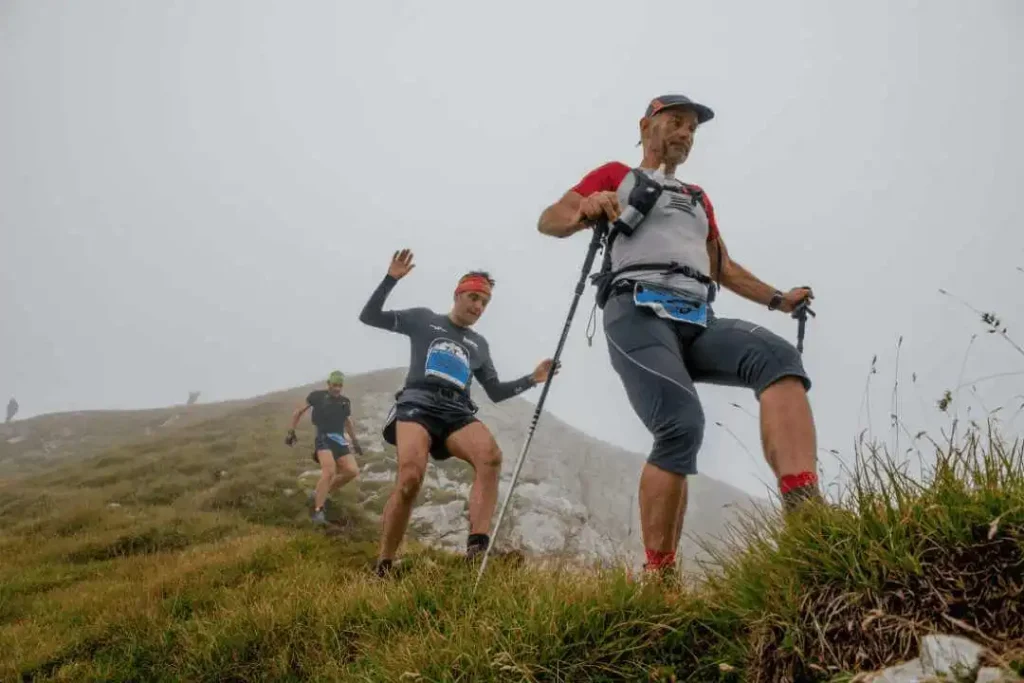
(182, 556)
(177, 585)
(853, 588)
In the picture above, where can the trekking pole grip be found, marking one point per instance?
(800, 312)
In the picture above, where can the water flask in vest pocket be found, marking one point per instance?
(670, 305)
(642, 199)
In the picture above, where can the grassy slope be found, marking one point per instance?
(197, 575)
(586, 508)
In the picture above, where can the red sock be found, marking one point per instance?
(796, 481)
(656, 559)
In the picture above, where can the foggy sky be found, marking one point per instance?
(201, 196)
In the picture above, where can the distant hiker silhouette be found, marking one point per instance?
(12, 409)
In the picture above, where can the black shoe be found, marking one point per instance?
(476, 545)
(318, 517)
(391, 569)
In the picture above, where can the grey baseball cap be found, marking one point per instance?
(663, 102)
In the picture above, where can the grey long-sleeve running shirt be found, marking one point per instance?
(441, 353)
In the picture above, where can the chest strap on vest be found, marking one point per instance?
(672, 267)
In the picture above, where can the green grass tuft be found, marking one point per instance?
(140, 565)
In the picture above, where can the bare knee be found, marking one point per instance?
(410, 478)
(492, 458)
(328, 470)
(487, 462)
(349, 470)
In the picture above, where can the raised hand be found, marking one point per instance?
(401, 264)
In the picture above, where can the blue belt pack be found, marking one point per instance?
(670, 305)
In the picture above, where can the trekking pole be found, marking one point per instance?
(599, 232)
(800, 313)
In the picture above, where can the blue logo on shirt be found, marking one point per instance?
(448, 361)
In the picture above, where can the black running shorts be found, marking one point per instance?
(441, 412)
(326, 443)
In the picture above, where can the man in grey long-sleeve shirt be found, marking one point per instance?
(433, 413)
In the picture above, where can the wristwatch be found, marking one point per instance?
(775, 301)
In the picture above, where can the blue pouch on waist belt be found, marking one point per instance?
(337, 438)
(671, 305)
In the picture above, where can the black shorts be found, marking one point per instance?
(326, 443)
(441, 412)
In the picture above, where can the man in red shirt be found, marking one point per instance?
(662, 334)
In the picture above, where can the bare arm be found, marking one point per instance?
(736, 278)
(297, 415)
(563, 218)
(590, 200)
(351, 428)
(574, 212)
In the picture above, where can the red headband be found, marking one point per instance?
(474, 283)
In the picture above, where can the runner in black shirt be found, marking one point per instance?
(332, 417)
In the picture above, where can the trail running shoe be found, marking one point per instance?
(311, 500)
(318, 517)
(391, 569)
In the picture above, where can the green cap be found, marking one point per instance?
(337, 377)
